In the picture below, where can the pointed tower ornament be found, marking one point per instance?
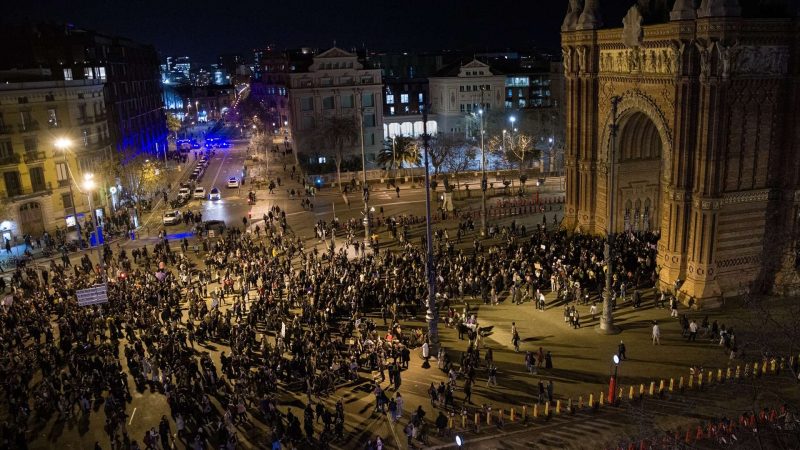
(573, 15)
(590, 18)
(683, 10)
(719, 8)
(632, 31)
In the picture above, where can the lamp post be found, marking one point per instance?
(484, 182)
(432, 316)
(612, 386)
(607, 318)
(365, 191)
(63, 144)
(88, 184)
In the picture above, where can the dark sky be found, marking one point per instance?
(204, 29)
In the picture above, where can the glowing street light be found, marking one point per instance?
(89, 184)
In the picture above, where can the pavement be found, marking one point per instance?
(582, 358)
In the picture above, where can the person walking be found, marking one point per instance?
(399, 401)
(548, 362)
(393, 409)
(692, 331)
(621, 351)
(656, 333)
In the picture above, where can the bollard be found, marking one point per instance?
(513, 416)
(558, 406)
(641, 389)
(661, 386)
(738, 371)
(547, 409)
(524, 412)
(451, 423)
(680, 383)
(536, 410)
(671, 384)
(501, 415)
(580, 402)
(601, 399)
(489, 417)
(630, 394)
(755, 369)
(710, 376)
(720, 378)
(728, 373)
(464, 421)
(477, 421)
(771, 364)
(700, 382)
(570, 406)
(591, 400)
(691, 380)
(652, 387)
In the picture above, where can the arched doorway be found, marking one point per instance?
(637, 177)
(31, 220)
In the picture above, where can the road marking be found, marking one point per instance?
(220, 167)
(391, 427)
(134, 413)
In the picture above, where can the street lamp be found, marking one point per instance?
(484, 183)
(88, 184)
(612, 386)
(63, 144)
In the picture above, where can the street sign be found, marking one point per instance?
(113, 190)
(93, 295)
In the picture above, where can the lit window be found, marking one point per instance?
(522, 103)
(510, 93)
(420, 97)
(322, 160)
(407, 110)
(101, 72)
(390, 99)
(391, 110)
(68, 74)
(403, 98)
(88, 73)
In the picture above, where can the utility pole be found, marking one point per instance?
(63, 144)
(432, 316)
(607, 318)
(484, 183)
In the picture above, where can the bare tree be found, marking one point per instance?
(335, 137)
(461, 159)
(441, 148)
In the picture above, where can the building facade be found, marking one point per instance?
(338, 83)
(458, 90)
(35, 174)
(706, 148)
(129, 71)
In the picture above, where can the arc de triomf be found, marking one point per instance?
(707, 145)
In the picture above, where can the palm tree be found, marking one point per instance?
(398, 152)
(337, 135)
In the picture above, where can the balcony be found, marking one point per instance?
(34, 190)
(100, 117)
(31, 157)
(85, 120)
(26, 127)
(6, 129)
(9, 159)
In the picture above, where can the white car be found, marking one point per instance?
(184, 193)
(200, 193)
(171, 218)
(233, 182)
(214, 195)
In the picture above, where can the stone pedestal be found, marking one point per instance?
(448, 201)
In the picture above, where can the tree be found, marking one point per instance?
(140, 176)
(460, 160)
(517, 147)
(173, 124)
(399, 151)
(441, 147)
(336, 136)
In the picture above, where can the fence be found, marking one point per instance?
(504, 208)
(653, 389)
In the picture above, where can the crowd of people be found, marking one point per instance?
(287, 316)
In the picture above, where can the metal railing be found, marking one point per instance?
(9, 159)
(34, 156)
(35, 189)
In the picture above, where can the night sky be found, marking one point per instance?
(204, 29)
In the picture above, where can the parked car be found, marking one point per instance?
(233, 182)
(171, 218)
(214, 195)
(184, 192)
(200, 193)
